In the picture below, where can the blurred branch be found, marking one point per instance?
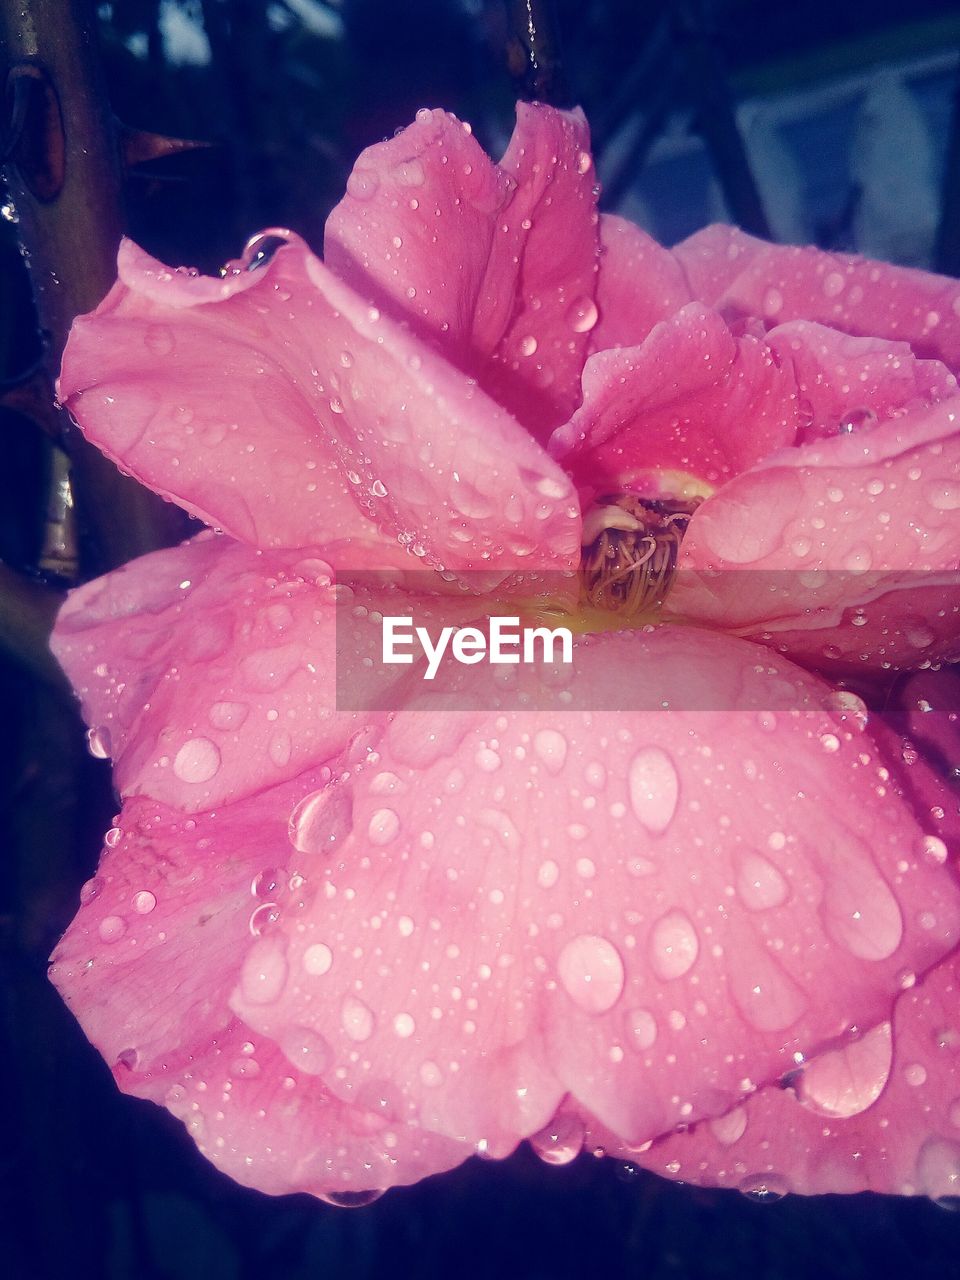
(947, 253)
(716, 119)
(64, 171)
(27, 613)
(533, 52)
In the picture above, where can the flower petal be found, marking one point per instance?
(203, 390)
(520, 906)
(743, 276)
(147, 967)
(882, 1114)
(639, 284)
(509, 296)
(207, 670)
(846, 383)
(843, 551)
(312, 378)
(689, 408)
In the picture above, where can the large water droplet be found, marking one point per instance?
(582, 315)
(674, 945)
(322, 820)
(591, 971)
(843, 1082)
(765, 1188)
(306, 1050)
(654, 788)
(551, 748)
(759, 884)
(264, 971)
(349, 1199)
(198, 760)
(357, 1019)
(560, 1141)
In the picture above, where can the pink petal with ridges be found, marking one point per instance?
(743, 276)
(495, 263)
(843, 551)
(639, 284)
(692, 399)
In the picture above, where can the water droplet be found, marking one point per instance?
(144, 902)
(654, 789)
(560, 1141)
(591, 971)
(384, 827)
(228, 715)
(317, 959)
(843, 1082)
(198, 760)
(306, 1050)
(933, 851)
(760, 885)
(528, 345)
(264, 971)
(582, 315)
(349, 1199)
(112, 928)
(551, 749)
(98, 742)
(363, 184)
(674, 945)
(943, 496)
(322, 820)
(938, 1168)
(404, 1025)
(833, 284)
(548, 874)
(90, 889)
(765, 1188)
(357, 1019)
(730, 1128)
(642, 1029)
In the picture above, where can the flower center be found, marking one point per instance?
(630, 551)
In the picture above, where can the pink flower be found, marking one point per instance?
(350, 948)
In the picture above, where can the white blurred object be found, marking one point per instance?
(776, 172)
(892, 162)
(185, 42)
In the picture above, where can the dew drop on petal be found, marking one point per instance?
(730, 1128)
(764, 1188)
(591, 971)
(264, 971)
(144, 902)
(198, 760)
(306, 1050)
(317, 959)
(349, 1199)
(654, 789)
(551, 748)
(560, 1141)
(384, 827)
(582, 315)
(112, 928)
(357, 1019)
(674, 945)
(843, 1082)
(642, 1029)
(322, 820)
(759, 884)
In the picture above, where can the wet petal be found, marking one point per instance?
(279, 453)
(244, 450)
(527, 906)
(207, 671)
(148, 965)
(742, 276)
(843, 552)
(881, 1114)
(640, 283)
(680, 414)
(496, 263)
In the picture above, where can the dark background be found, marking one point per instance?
(96, 1185)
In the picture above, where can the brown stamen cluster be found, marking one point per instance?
(628, 566)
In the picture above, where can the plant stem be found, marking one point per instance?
(66, 178)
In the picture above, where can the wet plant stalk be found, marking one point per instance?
(65, 174)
